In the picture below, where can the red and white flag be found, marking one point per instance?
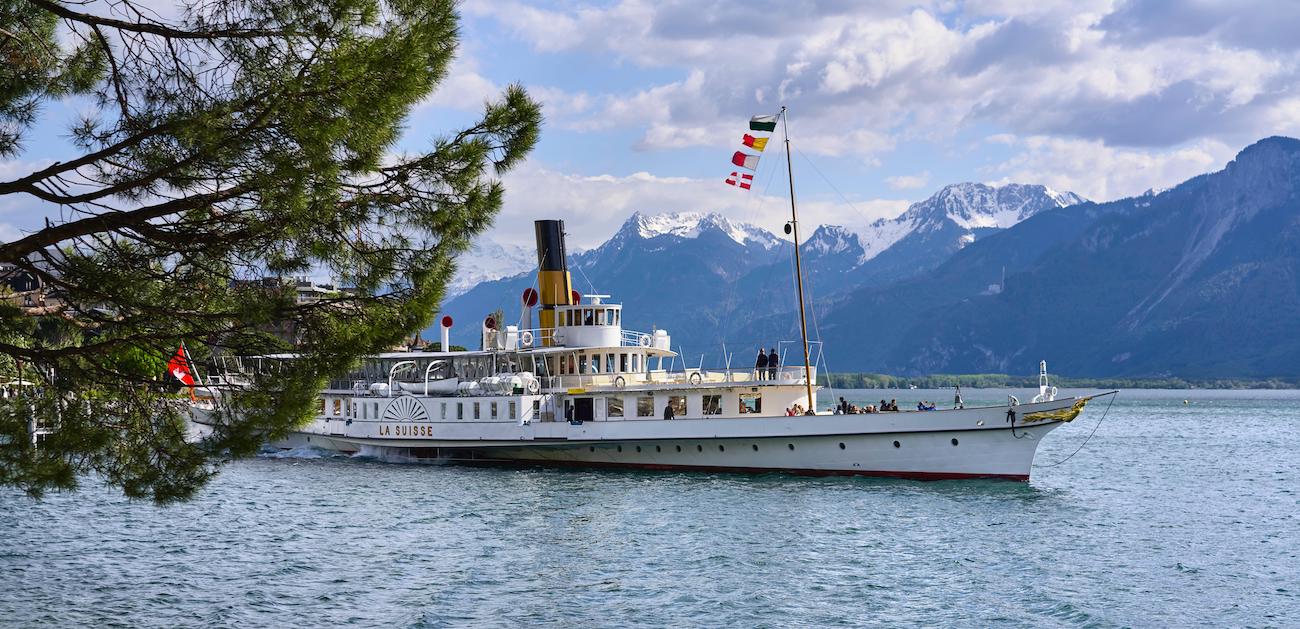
(179, 366)
(744, 160)
(743, 181)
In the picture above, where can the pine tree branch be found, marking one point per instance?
(154, 28)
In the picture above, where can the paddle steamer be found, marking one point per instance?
(581, 390)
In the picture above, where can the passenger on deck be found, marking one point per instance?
(760, 364)
(893, 405)
(773, 361)
(920, 406)
(668, 412)
(843, 407)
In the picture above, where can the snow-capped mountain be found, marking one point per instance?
(968, 207)
(689, 225)
(1196, 281)
(489, 260)
(680, 268)
(931, 231)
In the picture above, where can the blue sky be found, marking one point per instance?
(890, 100)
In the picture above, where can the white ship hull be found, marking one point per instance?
(933, 445)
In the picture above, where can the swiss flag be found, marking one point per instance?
(743, 181)
(179, 367)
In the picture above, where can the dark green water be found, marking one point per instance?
(1173, 515)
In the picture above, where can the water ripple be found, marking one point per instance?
(1173, 515)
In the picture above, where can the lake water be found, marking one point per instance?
(1173, 515)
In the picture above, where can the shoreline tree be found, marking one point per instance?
(237, 141)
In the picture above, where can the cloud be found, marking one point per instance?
(1103, 173)
(594, 206)
(1257, 24)
(463, 88)
(894, 71)
(908, 182)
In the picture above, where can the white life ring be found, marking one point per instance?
(1013, 400)
(619, 382)
(696, 378)
(787, 375)
(526, 339)
(644, 341)
(533, 387)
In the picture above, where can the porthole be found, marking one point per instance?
(620, 448)
(679, 448)
(699, 448)
(897, 444)
(722, 448)
(841, 445)
(638, 448)
(593, 448)
(658, 449)
(791, 446)
(756, 447)
(954, 441)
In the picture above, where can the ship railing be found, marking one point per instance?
(632, 338)
(792, 374)
(539, 337)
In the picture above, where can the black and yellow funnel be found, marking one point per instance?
(553, 280)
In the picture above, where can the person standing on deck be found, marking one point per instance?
(760, 364)
(773, 361)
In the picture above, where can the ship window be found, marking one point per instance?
(638, 448)
(363, 411)
(320, 406)
(678, 402)
(477, 414)
(338, 406)
(897, 444)
(756, 447)
(609, 363)
(679, 448)
(645, 407)
(374, 410)
(841, 445)
(614, 407)
(622, 362)
(460, 410)
(494, 410)
(443, 413)
(582, 363)
(954, 442)
(751, 403)
(587, 316)
(600, 317)
(514, 411)
(636, 362)
(722, 448)
(713, 405)
(595, 363)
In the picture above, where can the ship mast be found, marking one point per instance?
(798, 263)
